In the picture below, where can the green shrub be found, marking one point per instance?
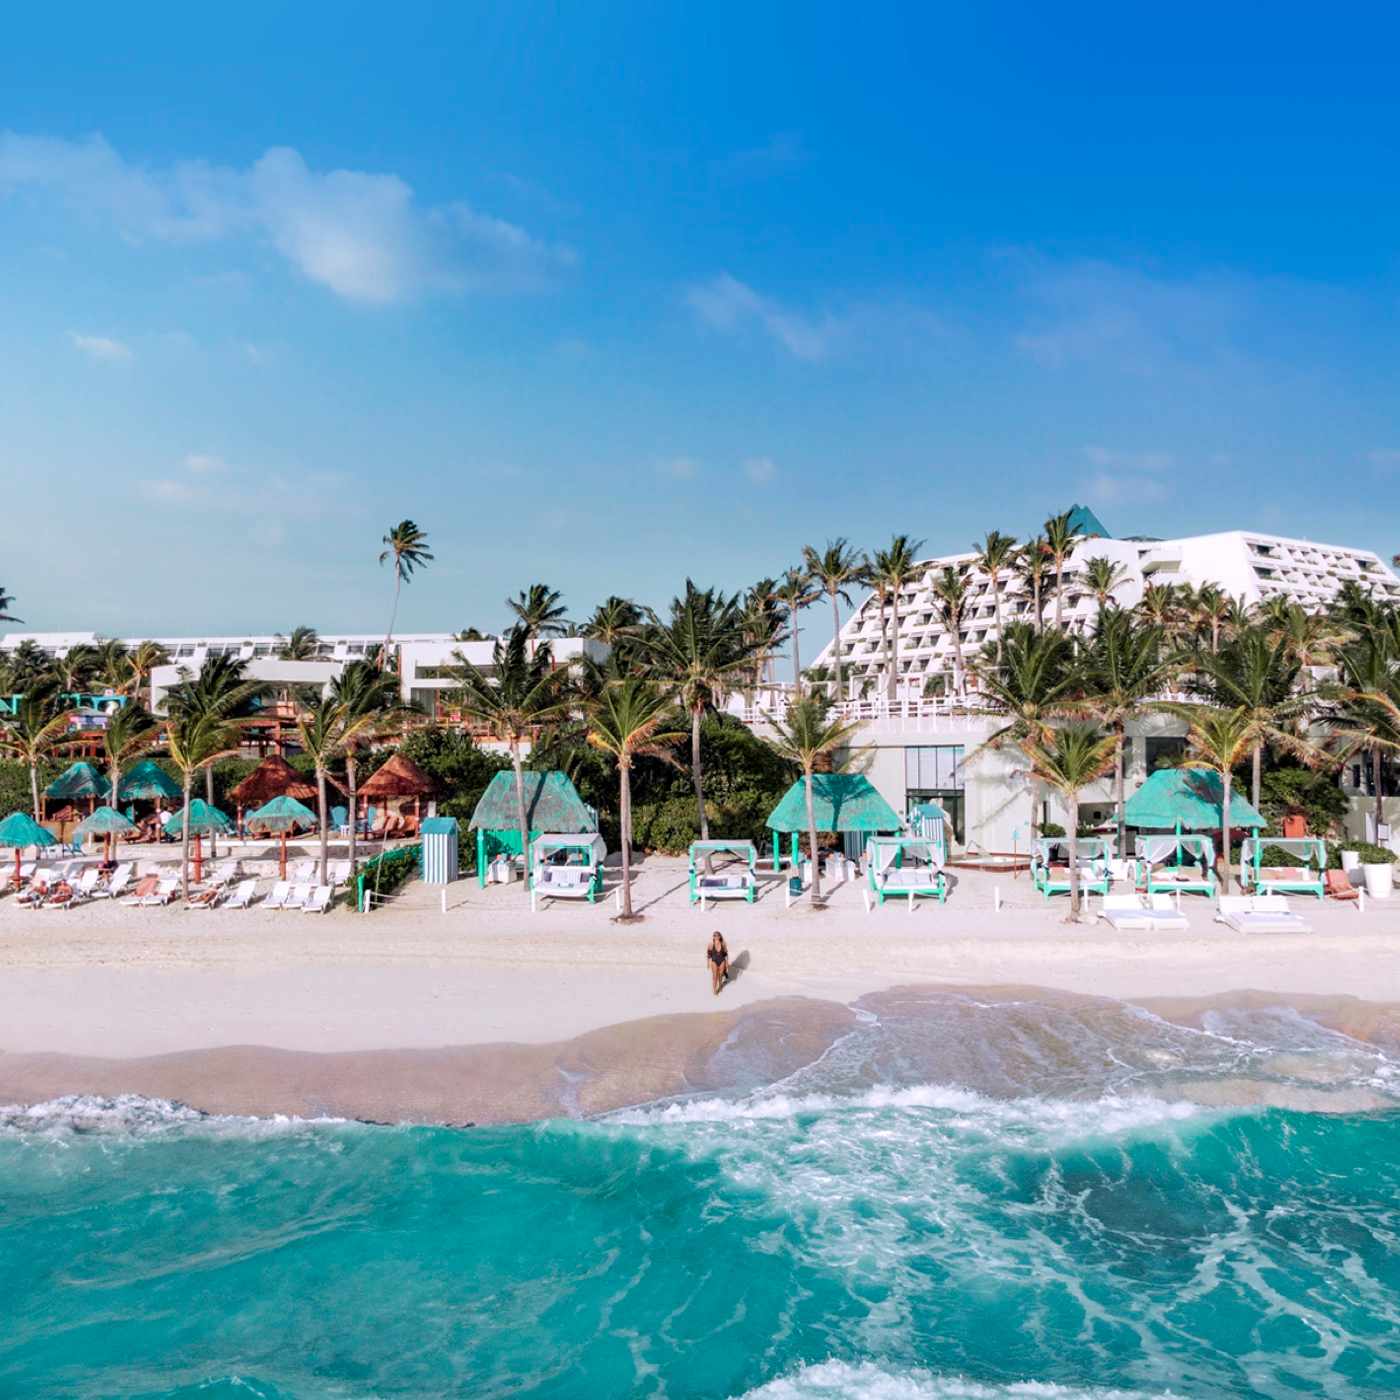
(389, 872)
(1369, 854)
(1283, 791)
(1051, 829)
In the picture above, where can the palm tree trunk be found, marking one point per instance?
(624, 807)
(1035, 601)
(519, 767)
(796, 660)
(697, 776)
(185, 839)
(350, 775)
(209, 798)
(1225, 831)
(893, 688)
(393, 616)
(996, 612)
(1256, 760)
(1059, 591)
(812, 839)
(885, 638)
(1120, 794)
(1072, 826)
(961, 685)
(836, 645)
(34, 787)
(1380, 798)
(321, 812)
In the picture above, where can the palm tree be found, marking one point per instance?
(614, 622)
(521, 697)
(6, 603)
(1250, 674)
(761, 621)
(795, 592)
(1212, 609)
(804, 737)
(319, 734)
(1219, 740)
(1068, 759)
(702, 650)
(626, 718)
(1159, 606)
(30, 735)
(1032, 563)
(368, 707)
(1367, 712)
(75, 668)
(994, 555)
(891, 570)
(197, 739)
(1033, 683)
(131, 730)
(27, 666)
(302, 644)
(1103, 577)
(1060, 540)
(140, 662)
(1124, 666)
(950, 591)
(539, 610)
(112, 670)
(407, 546)
(1310, 639)
(836, 570)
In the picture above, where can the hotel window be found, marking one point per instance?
(934, 773)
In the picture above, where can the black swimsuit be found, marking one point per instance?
(718, 957)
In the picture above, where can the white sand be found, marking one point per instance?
(113, 981)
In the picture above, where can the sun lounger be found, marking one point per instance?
(302, 872)
(564, 881)
(338, 872)
(1339, 886)
(320, 900)
(146, 885)
(1125, 911)
(298, 896)
(116, 886)
(1260, 913)
(277, 898)
(242, 895)
(165, 891)
(78, 894)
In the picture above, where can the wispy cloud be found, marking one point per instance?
(761, 470)
(1137, 476)
(782, 151)
(362, 235)
(202, 463)
(101, 347)
(678, 468)
(726, 304)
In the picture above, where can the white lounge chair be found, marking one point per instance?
(277, 897)
(338, 872)
(564, 881)
(43, 875)
(320, 900)
(165, 892)
(303, 872)
(242, 895)
(298, 897)
(1125, 911)
(116, 886)
(1259, 913)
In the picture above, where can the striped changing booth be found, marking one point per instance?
(439, 850)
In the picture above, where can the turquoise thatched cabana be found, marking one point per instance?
(1187, 799)
(147, 780)
(842, 802)
(552, 805)
(80, 780)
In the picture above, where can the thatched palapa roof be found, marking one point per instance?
(79, 780)
(552, 804)
(400, 777)
(1190, 798)
(842, 802)
(273, 777)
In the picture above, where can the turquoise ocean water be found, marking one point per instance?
(1074, 1221)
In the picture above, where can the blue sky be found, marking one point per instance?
(609, 295)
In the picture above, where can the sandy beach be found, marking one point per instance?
(488, 1012)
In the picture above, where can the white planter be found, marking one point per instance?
(1379, 880)
(1350, 860)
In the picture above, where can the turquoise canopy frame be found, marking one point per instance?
(1185, 843)
(887, 853)
(746, 890)
(549, 842)
(1098, 879)
(1256, 877)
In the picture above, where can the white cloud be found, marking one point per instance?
(167, 492)
(726, 304)
(203, 463)
(679, 469)
(1122, 476)
(760, 470)
(782, 151)
(101, 347)
(362, 235)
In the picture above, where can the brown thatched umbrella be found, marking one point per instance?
(273, 777)
(400, 777)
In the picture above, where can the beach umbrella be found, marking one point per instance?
(19, 829)
(282, 814)
(148, 780)
(79, 780)
(205, 820)
(106, 822)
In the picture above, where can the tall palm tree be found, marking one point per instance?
(1060, 540)
(891, 570)
(1212, 609)
(614, 622)
(112, 670)
(1067, 760)
(1159, 606)
(836, 570)
(1310, 639)
(368, 707)
(1103, 577)
(761, 621)
(141, 660)
(1367, 706)
(407, 546)
(702, 651)
(1219, 740)
(30, 736)
(27, 666)
(1033, 563)
(521, 697)
(796, 591)
(950, 592)
(130, 732)
(807, 735)
(994, 556)
(302, 644)
(319, 734)
(539, 609)
(1250, 674)
(75, 668)
(631, 716)
(1124, 665)
(1033, 684)
(6, 603)
(196, 741)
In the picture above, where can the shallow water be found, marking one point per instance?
(960, 1198)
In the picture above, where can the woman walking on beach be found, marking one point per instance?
(717, 955)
